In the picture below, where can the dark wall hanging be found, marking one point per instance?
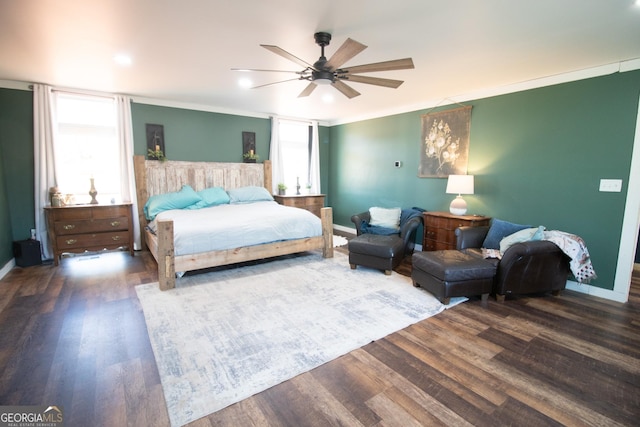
(249, 154)
(155, 142)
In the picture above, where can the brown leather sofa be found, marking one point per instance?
(529, 267)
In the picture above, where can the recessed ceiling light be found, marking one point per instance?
(245, 83)
(123, 60)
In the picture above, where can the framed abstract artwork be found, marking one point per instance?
(444, 148)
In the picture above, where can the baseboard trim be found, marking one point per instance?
(7, 267)
(597, 292)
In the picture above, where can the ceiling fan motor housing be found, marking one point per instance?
(322, 39)
(322, 76)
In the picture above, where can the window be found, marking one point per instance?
(295, 145)
(86, 146)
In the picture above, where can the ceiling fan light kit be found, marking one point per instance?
(328, 72)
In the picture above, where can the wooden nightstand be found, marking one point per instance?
(82, 228)
(311, 202)
(440, 227)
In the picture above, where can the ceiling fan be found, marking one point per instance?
(328, 72)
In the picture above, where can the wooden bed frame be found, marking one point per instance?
(156, 177)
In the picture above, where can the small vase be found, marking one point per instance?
(93, 193)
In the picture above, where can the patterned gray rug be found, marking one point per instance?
(223, 336)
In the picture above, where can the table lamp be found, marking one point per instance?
(459, 184)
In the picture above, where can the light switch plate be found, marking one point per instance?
(611, 185)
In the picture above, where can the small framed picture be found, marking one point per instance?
(155, 142)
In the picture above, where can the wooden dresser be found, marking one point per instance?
(89, 228)
(311, 202)
(440, 227)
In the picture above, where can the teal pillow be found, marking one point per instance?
(499, 230)
(212, 196)
(164, 202)
(249, 194)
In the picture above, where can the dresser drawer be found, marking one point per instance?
(315, 202)
(297, 202)
(91, 226)
(93, 241)
(312, 203)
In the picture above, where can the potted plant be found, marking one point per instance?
(250, 157)
(281, 189)
(156, 154)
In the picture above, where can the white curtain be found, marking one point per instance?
(43, 156)
(277, 163)
(314, 164)
(275, 155)
(127, 180)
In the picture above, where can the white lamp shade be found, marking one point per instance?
(460, 184)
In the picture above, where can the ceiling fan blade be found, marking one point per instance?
(348, 50)
(374, 81)
(397, 64)
(270, 71)
(279, 51)
(307, 91)
(274, 83)
(346, 90)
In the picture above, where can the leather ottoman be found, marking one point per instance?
(452, 273)
(376, 251)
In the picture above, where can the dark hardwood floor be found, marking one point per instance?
(75, 336)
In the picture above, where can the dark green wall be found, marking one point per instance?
(16, 169)
(537, 155)
(199, 135)
(5, 218)
(205, 136)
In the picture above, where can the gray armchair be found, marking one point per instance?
(383, 252)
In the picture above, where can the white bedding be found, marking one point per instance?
(236, 225)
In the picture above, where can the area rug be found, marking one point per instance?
(223, 336)
(339, 241)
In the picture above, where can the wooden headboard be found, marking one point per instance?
(157, 177)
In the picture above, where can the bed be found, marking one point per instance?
(155, 178)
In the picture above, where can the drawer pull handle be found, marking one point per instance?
(115, 223)
(70, 241)
(69, 227)
(115, 238)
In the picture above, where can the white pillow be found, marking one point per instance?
(382, 217)
(526, 235)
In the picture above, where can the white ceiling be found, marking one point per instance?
(183, 50)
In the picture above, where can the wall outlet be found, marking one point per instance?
(611, 185)
(397, 164)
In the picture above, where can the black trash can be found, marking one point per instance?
(27, 253)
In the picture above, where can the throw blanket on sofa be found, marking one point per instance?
(575, 248)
